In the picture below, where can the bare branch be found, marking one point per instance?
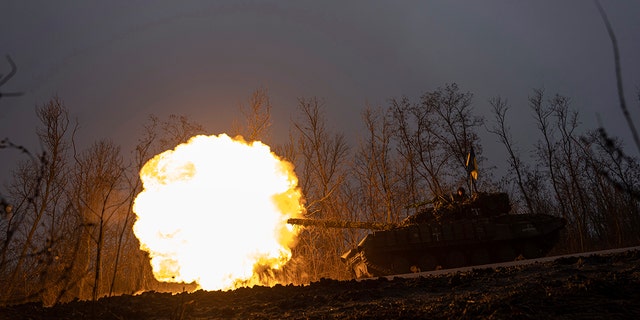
(616, 57)
(6, 78)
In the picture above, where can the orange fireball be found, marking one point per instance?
(214, 209)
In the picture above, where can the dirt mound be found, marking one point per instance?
(588, 287)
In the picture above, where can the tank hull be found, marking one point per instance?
(442, 245)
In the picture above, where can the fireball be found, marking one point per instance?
(214, 210)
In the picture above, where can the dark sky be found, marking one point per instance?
(115, 62)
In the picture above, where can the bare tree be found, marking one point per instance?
(585, 177)
(35, 237)
(614, 214)
(436, 136)
(5, 206)
(571, 165)
(516, 165)
(408, 148)
(97, 180)
(377, 169)
(546, 147)
(176, 129)
(322, 160)
(138, 275)
(70, 223)
(257, 117)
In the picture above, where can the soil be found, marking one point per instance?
(589, 287)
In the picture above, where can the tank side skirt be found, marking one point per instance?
(416, 246)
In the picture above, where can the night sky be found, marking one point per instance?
(114, 63)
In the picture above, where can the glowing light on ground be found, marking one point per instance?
(214, 210)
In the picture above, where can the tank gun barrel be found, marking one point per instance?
(340, 224)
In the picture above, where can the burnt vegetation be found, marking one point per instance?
(66, 214)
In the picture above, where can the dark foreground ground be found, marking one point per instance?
(590, 287)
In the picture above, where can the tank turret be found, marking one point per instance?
(448, 233)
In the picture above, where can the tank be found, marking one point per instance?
(447, 234)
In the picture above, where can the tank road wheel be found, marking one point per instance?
(428, 262)
(456, 259)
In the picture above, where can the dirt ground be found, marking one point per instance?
(590, 287)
